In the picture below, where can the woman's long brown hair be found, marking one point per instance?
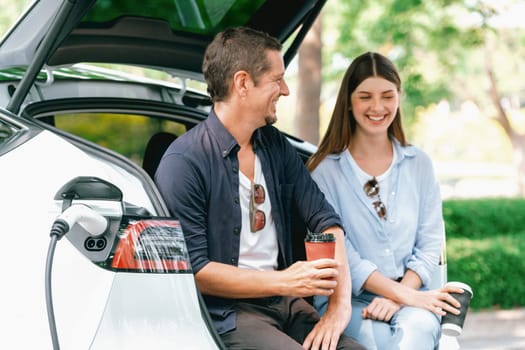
(343, 124)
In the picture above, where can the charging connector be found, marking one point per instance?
(94, 223)
(91, 221)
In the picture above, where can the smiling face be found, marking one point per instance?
(374, 105)
(270, 86)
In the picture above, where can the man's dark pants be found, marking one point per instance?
(276, 323)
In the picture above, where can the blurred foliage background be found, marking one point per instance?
(11, 10)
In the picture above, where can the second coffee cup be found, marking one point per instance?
(452, 325)
(319, 245)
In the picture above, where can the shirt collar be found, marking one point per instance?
(258, 139)
(402, 151)
(227, 142)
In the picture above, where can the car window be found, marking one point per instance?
(197, 16)
(127, 134)
(11, 10)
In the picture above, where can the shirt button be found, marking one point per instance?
(235, 169)
(236, 230)
(224, 153)
(233, 261)
(236, 200)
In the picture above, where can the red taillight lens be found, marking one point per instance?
(152, 246)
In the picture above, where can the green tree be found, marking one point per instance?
(503, 67)
(444, 49)
(420, 37)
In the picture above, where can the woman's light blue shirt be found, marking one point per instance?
(412, 235)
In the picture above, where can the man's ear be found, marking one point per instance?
(241, 80)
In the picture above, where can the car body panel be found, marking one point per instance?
(151, 320)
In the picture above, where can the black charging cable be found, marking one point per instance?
(58, 230)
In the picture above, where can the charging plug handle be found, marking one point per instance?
(94, 223)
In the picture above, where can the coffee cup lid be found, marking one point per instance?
(319, 237)
(461, 285)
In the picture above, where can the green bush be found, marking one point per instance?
(485, 241)
(479, 218)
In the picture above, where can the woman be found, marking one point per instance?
(388, 198)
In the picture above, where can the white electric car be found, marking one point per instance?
(90, 258)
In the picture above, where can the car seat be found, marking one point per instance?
(157, 145)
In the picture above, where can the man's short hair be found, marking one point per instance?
(233, 50)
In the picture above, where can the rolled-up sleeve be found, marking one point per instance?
(360, 269)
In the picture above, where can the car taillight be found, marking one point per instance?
(151, 245)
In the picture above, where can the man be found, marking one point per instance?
(232, 181)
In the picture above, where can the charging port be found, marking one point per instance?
(95, 243)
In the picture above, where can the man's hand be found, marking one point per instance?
(319, 277)
(307, 278)
(381, 309)
(325, 334)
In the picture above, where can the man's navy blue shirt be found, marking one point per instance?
(198, 178)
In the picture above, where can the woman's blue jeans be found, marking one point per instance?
(410, 328)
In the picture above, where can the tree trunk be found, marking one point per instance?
(309, 85)
(517, 139)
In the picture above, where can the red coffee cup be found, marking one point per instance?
(319, 245)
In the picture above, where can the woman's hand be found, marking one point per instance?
(439, 301)
(380, 309)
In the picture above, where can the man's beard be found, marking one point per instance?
(270, 119)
